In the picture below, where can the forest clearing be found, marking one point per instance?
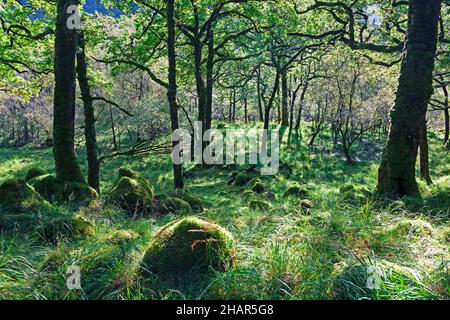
(119, 179)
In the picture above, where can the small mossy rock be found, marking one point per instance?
(296, 190)
(242, 179)
(122, 236)
(396, 207)
(320, 218)
(130, 195)
(45, 185)
(188, 244)
(306, 204)
(166, 204)
(34, 172)
(17, 196)
(66, 228)
(195, 203)
(259, 205)
(126, 172)
(74, 192)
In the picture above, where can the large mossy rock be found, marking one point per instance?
(45, 185)
(66, 228)
(165, 204)
(55, 190)
(296, 190)
(195, 203)
(132, 196)
(188, 245)
(132, 192)
(17, 196)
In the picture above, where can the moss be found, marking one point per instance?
(259, 205)
(34, 172)
(271, 196)
(165, 205)
(45, 185)
(54, 190)
(296, 190)
(17, 196)
(195, 203)
(132, 196)
(126, 172)
(122, 236)
(66, 228)
(186, 245)
(74, 192)
(320, 219)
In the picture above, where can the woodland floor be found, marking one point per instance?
(282, 252)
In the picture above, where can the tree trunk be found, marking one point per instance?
(67, 168)
(172, 89)
(424, 156)
(397, 171)
(113, 129)
(89, 117)
(284, 99)
(258, 90)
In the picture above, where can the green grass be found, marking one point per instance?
(282, 252)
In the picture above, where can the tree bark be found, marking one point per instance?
(284, 99)
(396, 175)
(172, 89)
(424, 156)
(67, 168)
(89, 117)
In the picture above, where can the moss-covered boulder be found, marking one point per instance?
(165, 204)
(34, 172)
(296, 190)
(22, 222)
(66, 228)
(195, 203)
(74, 192)
(132, 196)
(126, 172)
(259, 205)
(188, 245)
(17, 196)
(45, 185)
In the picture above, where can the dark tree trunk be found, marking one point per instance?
(172, 89)
(209, 80)
(245, 109)
(447, 125)
(424, 165)
(67, 168)
(113, 129)
(397, 171)
(89, 117)
(284, 99)
(258, 90)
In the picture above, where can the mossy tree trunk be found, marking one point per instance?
(397, 171)
(67, 168)
(89, 117)
(172, 88)
(424, 156)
